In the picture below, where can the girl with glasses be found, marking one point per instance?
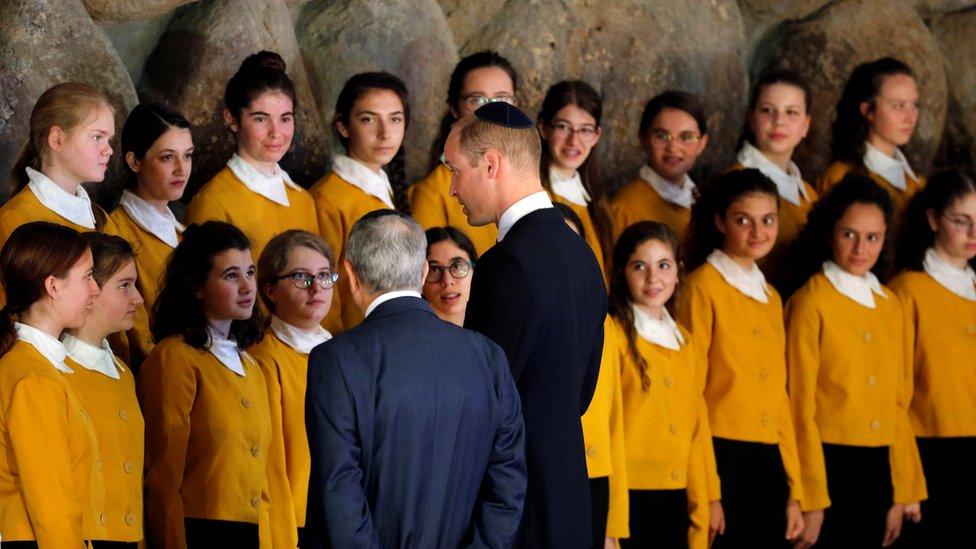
(450, 256)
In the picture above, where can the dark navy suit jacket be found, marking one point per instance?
(416, 436)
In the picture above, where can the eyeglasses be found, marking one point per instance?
(476, 101)
(303, 280)
(662, 138)
(459, 268)
(586, 134)
(960, 223)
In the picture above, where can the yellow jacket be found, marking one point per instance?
(51, 488)
(742, 345)
(603, 434)
(118, 422)
(849, 385)
(433, 206)
(941, 346)
(592, 238)
(209, 446)
(899, 198)
(637, 201)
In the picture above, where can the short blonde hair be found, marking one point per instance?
(521, 146)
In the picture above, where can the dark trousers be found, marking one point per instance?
(859, 485)
(754, 495)
(207, 533)
(599, 507)
(658, 519)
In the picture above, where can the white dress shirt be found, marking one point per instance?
(97, 359)
(789, 184)
(671, 193)
(298, 339)
(49, 346)
(522, 208)
(859, 288)
(372, 183)
(163, 226)
(750, 282)
(891, 168)
(571, 189)
(76, 208)
(961, 282)
(659, 331)
(226, 351)
(271, 186)
(383, 298)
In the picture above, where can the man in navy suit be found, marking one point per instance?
(540, 295)
(414, 424)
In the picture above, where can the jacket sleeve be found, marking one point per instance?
(618, 517)
(427, 206)
(907, 477)
(283, 526)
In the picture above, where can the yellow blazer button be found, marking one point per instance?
(971, 328)
(99, 465)
(123, 414)
(765, 421)
(764, 375)
(868, 337)
(245, 402)
(128, 467)
(255, 501)
(668, 382)
(101, 518)
(872, 381)
(130, 519)
(673, 428)
(756, 331)
(675, 475)
(591, 451)
(255, 450)
(875, 425)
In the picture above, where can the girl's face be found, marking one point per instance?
(859, 236)
(115, 307)
(449, 295)
(74, 294)
(895, 112)
(750, 226)
(673, 143)
(81, 154)
(482, 83)
(652, 275)
(779, 120)
(304, 308)
(570, 136)
(228, 293)
(375, 128)
(265, 128)
(165, 168)
(955, 235)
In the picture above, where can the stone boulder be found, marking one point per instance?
(934, 7)
(130, 10)
(773, 11)
(43, 43)
(826, 49)
(466, 17)
(958, 43)
(203, 46)
(407, 38)
(629, 51)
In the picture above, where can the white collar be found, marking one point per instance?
(271, 187)
(571, 189)
(522, 208)
(163, 226)
(961, 282)
(76, 208)
(97, 359)
(365, 179)
(891, 168)
(679, 196)
(226, 351)
(296, 338)
(858, 288)
(383, 298)
(789, 184)
(659, 331)
(751, 283)
(52, 349)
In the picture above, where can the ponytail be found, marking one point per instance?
(8, 334)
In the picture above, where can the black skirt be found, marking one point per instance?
(754, 495)
(207, 533)
(859, 485)
(658, 519)
(599, 507)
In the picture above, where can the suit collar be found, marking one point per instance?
(397, 305)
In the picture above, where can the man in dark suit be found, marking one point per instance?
(414, 424)
(540, 295)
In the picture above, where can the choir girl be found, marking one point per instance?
(876, 115)
(477, 80)
(52, 489)
(107, 387)
(451, 257)
(736, 321)
(673, 133)
(937, 287)
(371, 116)
(214, 475)
(296, 276)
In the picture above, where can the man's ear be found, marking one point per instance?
(354, 285)
(493, 160)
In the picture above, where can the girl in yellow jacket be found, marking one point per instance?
(107, 388)
(52, 490)
(937, 287)
(296, 276)
(214, 473)
(569, 123)
(674, 489)
(477, 80)
(371, 116)
(875, 116)
(736, 321)
(848, 382)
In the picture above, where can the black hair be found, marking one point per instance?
(260, 72)
(915, 235)
(145, 124)
(673, 99)
(453, 234)
(768, 78)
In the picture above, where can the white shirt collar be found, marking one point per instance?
(859, 288)
(522, 208)
(891, 168)
(368, 181)
(271, 187)
(97, 359)
(961, 282)
(226, 351)
(76, 208)
(571, 189)
(52, 349)
(751, 283)
(299, 339)
(659, 331)
(163, 226)
(671, 193)
(383, 298)
(789, 183)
